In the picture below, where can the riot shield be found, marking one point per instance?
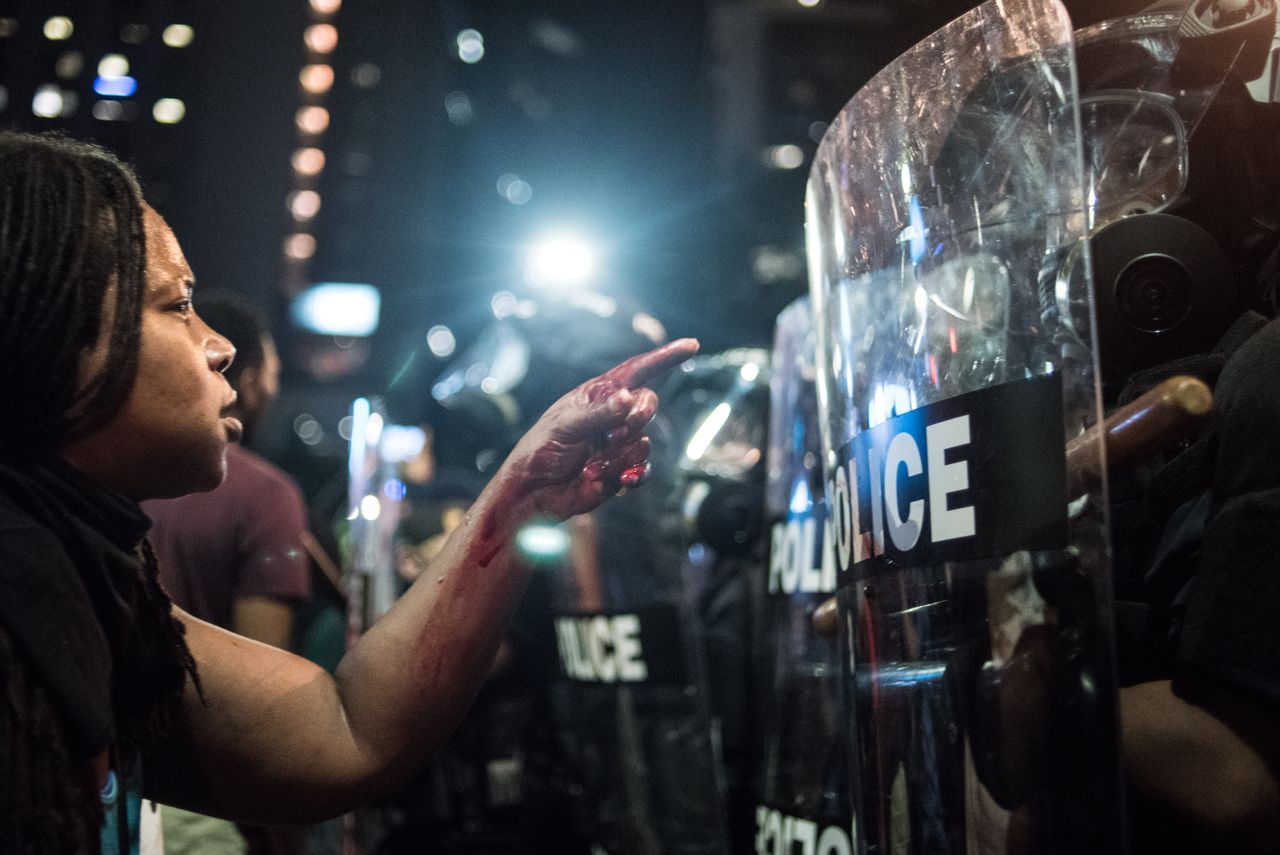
(632, 702)
(802, 775)
(974, 588)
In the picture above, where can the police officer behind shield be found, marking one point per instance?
(1186, 285)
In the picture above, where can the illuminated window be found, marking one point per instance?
(313, 120)
(308, 161)
(177, 35)
(58, 28)
(300, 246)
(316, 78)
(113, 65)
(338, 308)
(321, 38)
(169, 111)
(47, 102)
(304, 205)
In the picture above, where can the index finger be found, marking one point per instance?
(639, 370)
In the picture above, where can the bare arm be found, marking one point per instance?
(1210, 768)
(280, 741)
(263, 619)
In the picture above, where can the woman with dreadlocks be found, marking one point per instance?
(112, 393)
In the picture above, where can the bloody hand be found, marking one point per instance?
(588, 445)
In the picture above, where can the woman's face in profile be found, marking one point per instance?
(170, 435)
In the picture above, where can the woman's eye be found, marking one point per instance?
(184, 307)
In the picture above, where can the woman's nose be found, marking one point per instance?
(220, 352)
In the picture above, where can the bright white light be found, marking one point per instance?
(561, 261)
(808, 4)
(801, 499)
(321, 38)
(707, 431)
(441, 341)
(177, 35)
(47, 102)
(749, 372)
(370, 508)
(786, 156)
(169, 111)
(543, 541)
(316, 78)
(470, 46)
(113, 65)
(308, 161)
(373, 429)
(304, 205)
(338, 308)
(400, 443)
(58, 27)
(326, 7)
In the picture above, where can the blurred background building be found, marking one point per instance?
(438, 162)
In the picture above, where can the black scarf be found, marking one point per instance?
(82, 601)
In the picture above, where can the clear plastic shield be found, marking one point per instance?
(802, 787)
(974, 593)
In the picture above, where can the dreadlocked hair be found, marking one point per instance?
(72, 252)
(49, 800)
(147, 698)
(72, 284)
